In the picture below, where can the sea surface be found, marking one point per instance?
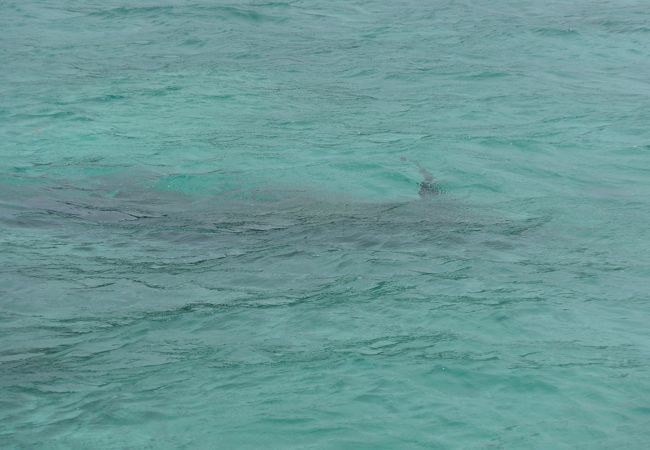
(212, 237)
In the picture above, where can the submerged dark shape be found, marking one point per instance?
(427, 185)
(136, 208)
(121, 231)
(132, 209)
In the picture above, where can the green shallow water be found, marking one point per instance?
(211, 233)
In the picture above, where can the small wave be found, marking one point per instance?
(223, 12)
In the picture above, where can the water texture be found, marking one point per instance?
(211, 233)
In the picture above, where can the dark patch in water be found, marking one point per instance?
(427, 185)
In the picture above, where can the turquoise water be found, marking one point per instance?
(211, 233)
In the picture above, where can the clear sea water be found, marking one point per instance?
(211, 234)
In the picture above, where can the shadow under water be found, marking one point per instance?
(261, 245)
(116, 206)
